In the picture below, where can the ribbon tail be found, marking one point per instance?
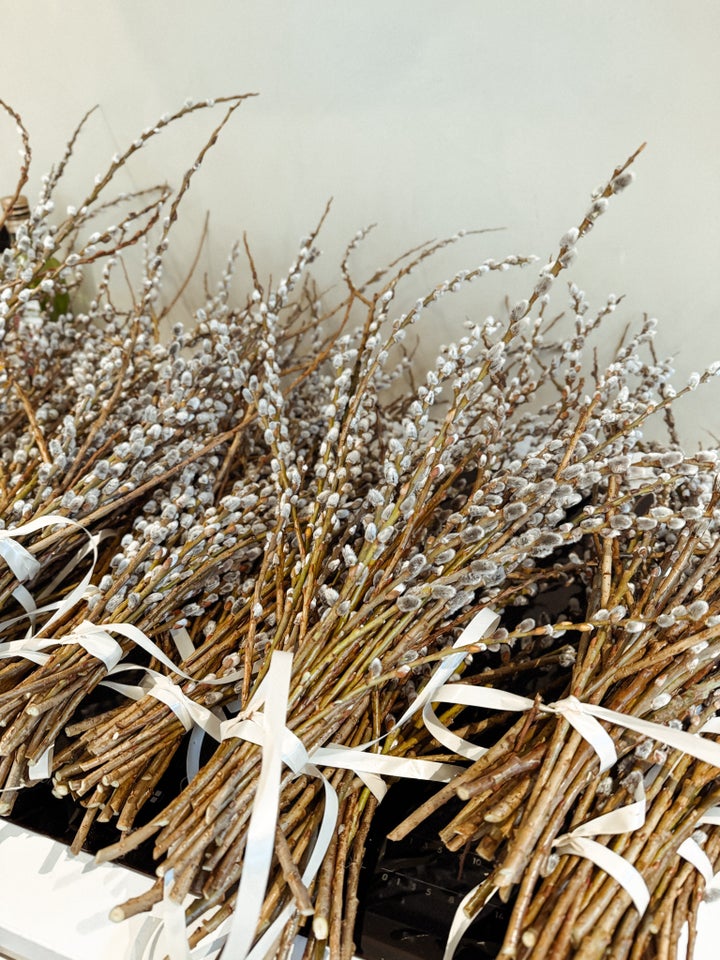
(447, 738)
(375, 784)
(482, 624)
(263, 948)
(383, 764)
(692, 743)
(691, 851)
(41, 768)
(630, 879)
(711, 816)
(183, 643)
(462, 921)
(192, 757)
(22, 563)
(622, 820)
(471, 696)
(598, 738)
(263, 819)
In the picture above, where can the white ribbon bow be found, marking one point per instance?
(584, 718)
(95, 640)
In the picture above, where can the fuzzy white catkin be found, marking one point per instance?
(370, 532)
(408, 602)
(697, 609)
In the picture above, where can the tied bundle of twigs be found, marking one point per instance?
(269, 494)
(646, 645)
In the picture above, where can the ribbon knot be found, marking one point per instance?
(96, 640)
(566, 706)
(580, 717)
(22, 563)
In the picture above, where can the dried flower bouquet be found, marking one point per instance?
(251, 486)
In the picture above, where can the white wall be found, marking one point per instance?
(422, 115)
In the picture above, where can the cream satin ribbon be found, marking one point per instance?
(190, 713)
(22, 563)
(691, 851)
(584, 718)
(94, 540)
(579, 716)
(95, 639)
(242, 926)
(174, 930)
(183, 643)
(141, 639)
(383, 765)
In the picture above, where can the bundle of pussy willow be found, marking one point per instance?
(266, 480)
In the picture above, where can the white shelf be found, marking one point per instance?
(54, 906)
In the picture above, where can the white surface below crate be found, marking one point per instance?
(54, 906)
